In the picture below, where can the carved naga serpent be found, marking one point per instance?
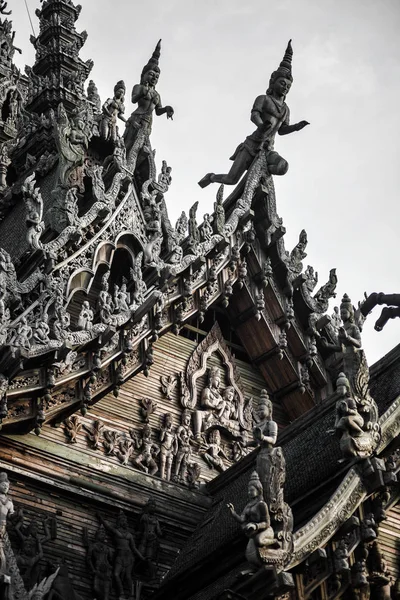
(390, 311)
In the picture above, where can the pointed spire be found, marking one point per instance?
(154, 60)
(59, 73)
(284, 69)
(286, 63)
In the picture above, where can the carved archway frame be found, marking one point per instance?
(197, 366)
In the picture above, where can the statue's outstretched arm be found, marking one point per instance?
(285, 128)
(161, 110)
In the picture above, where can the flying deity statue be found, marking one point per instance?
(145, 95)
(270, 114)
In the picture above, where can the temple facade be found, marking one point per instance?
(183, 414)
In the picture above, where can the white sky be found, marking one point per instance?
(217, 56)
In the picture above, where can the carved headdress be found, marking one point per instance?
(347, 304)
(284, 69)
(152, 65)
(4, 478)
(254, 481)
(213, 372)
(120, 85)
(264, 400)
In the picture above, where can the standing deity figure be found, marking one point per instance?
(145, 95)
(105, 304)
(125, 549)
(121, 298)
(270, 114)
(72, 142)
(270, 460)
(113, 109)
(85, 319)
(99, 558)
(6, 510)
(149, 534)
(349, 333)
(62, 319)
(184, 437)
(206, 230)
(31, 549)
(168, 447)
(255, 520)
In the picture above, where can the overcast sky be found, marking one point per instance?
(217, 55)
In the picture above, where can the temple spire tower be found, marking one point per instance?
(59, 74)
(11, 92)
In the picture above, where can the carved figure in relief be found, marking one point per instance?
(121, 298)
(270, 114)
(148, 451)
(211, 396)
(212, 452)
(348, 419)
(113, 109)
(99, 558)
(62, 319)
(349, 333)
(125, 550)
(168, 447)
(271, 468)
(41, 332)
(228, 408)
(341, 557)
(184, 436)
(34, 212)
(219, 212)
(194, 232)
(105, 304)
(165, 177)
(85, 319)
(144, 94)
(311, 278)
(368, 528)
(149, 534)
(72, 143)
(206, 229)
(31, 549)
(6, 510)
(255, 520)
(22, 335)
